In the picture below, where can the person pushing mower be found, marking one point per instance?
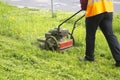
(100, 13)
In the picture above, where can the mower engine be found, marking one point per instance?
(57, 40)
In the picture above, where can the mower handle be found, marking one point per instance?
(74, 26)
(69, 19)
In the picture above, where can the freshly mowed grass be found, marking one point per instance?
(22, 59)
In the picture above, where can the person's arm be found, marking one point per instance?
(83, 4)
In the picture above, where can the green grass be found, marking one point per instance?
(21, 59)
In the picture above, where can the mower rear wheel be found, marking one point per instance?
(51, 43)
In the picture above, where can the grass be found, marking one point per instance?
(21, 60)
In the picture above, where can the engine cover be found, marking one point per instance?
(58, 35)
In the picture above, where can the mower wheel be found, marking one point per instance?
(51, 43)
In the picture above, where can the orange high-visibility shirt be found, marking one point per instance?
(95, 7)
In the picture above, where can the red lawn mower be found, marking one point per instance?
(59, 39)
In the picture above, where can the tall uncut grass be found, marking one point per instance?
(22, 59)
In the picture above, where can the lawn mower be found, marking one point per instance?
(59, 39)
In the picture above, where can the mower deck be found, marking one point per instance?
(65, 44)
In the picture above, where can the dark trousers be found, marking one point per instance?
(104, 21)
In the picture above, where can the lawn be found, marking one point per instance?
(22, 59)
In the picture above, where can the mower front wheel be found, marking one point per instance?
(51, 43)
